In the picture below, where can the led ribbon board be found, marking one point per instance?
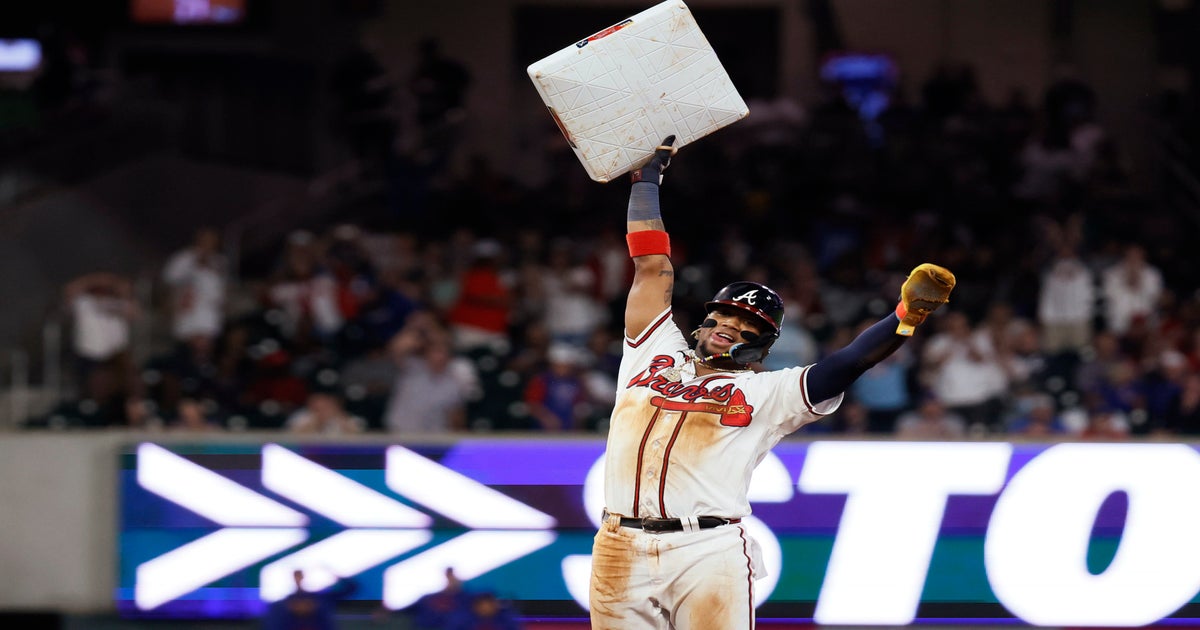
(854, 533)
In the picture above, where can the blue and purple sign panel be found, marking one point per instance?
(855, 533)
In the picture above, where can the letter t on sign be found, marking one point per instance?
(897, 497)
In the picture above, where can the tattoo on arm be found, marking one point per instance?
(669, 293)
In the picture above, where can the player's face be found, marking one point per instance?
(734, 325)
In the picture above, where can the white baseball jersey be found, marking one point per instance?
(681, 445)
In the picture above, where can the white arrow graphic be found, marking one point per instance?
(187, 568)
(322, 490)
(470, 555)
(384, 527)
(183, 570)
(208, 494)
(345, 554)
(458, 497)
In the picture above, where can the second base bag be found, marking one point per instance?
(618, 93)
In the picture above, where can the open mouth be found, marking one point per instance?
(722, 339)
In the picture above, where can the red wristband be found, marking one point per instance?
(648, 242)
(901, 312)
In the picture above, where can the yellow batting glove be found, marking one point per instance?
(928, 287)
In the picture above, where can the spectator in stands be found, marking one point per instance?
(610, 264)
(195, 276)
(325, 413)
(190, 370)
(531, 349)
(397, 295)
(354, 274)
(432, 385)
(303, 296)
(192, 417)
(883, 390)
(141, 414)
(480, 314)
(1066, 303)
(964, 373)
(1123, 391)
(1183, 418)
(435, 610)
(558, 396)
(367, 381)
(931, 420)
(1037, 418)
(599, 371)
(303, 609)
(1162, 383)
(233, 368)
(604, 352)
(274, 389)
(572, 310)
(1131, 289)
(1019, 353)
(1104, 423)
(102, 310)
(1101, 358)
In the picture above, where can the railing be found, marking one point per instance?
(23, 394)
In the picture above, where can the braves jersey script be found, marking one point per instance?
(681, 445)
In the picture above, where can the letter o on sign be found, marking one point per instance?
(1037, 540)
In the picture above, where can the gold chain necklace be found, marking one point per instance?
(676, 373)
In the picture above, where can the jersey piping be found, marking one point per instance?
(633, 343)
(637, 480)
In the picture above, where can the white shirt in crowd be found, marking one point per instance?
(968, 371)
(1131, 289)
(101, 326)
(1068, 293)
(199, 294)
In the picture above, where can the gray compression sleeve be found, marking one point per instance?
(643, 202)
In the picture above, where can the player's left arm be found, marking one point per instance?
(926, 289)
(649, 246)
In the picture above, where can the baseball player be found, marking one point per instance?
(693, 420)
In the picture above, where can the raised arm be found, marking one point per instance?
(653, 277)
(927, 287)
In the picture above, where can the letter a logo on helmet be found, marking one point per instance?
(756, 298)
(747, 296)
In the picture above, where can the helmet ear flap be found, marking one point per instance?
(753, 351)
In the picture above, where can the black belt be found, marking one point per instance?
(673, 524)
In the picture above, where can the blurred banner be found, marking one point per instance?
(865, 533)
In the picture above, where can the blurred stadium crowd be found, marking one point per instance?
(474, 301)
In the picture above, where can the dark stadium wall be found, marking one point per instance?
(1010, 43)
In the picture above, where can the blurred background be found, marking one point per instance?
(240, 221)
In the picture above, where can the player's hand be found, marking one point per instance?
(652, 171)
(928, 287)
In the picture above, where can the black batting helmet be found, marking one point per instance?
(757, 299)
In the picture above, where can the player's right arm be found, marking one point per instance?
(653, 276)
